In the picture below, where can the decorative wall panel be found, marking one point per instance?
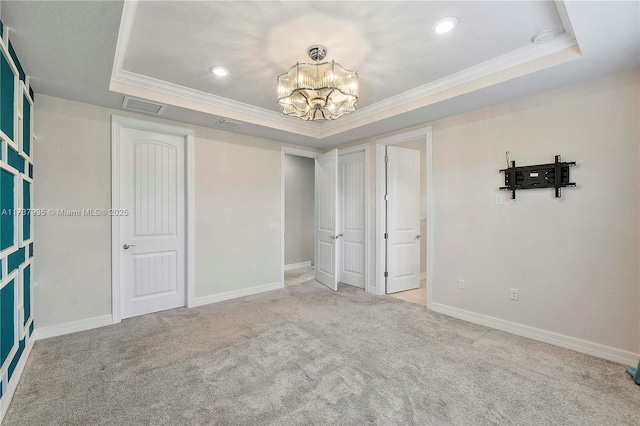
(16, 199)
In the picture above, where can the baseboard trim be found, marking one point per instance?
(297, 265)
(13, 383)
(220, 297)
(72, 327)
(583, 346)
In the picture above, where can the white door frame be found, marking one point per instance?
(300, 152)
(116, 123)
(380, 211)
(368, 285)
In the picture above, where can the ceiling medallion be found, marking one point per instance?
(318, 91)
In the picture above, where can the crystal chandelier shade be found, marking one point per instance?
(318, 91)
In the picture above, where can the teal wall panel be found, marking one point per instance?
(26, 293)
(7, 320)
(15, 260)
(15, 160)
(26, 205)
(7, 100)
(7, 196)
(16, 358)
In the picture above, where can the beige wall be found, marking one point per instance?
(299, 210)
(72, 170)
(575, 259)
(237, 196)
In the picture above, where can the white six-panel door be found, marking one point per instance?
(352, 219)
(403, 219)
(327, 219)
(152, 235)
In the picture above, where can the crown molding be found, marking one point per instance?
(564, 17)
(129, 9)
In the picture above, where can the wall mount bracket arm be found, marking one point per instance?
(554, 175)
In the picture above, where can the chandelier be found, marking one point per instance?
(318, 91)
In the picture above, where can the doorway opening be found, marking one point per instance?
(404, 225)
(353, 217)
(299, 214)
(324, 220)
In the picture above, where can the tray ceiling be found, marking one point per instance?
(161, 51)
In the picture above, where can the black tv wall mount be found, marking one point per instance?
(554, 175)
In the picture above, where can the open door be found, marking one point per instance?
(403, 219)
(327, 219)
(352, 219)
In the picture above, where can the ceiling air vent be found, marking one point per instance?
(227, 123)
(139, 105)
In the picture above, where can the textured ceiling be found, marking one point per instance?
(67, 47)
(391, 45)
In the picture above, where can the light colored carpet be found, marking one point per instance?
(306, 355)
(299, 275)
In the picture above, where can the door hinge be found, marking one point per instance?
(386, 235)
(386, 159)
(386, 197)
(386, 274)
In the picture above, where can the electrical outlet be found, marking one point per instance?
(515, 294)
(498, 199)
(461, 284)
(274, 226)
(253, 267)
(515, 201)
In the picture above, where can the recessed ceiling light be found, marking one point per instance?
(445, 25)
(220, 71)
(542, 36)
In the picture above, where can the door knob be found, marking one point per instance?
(338, 236)
(418, 236)
(126, 246)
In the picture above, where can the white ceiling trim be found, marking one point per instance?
(564, 17)
(124, 35)
(497, 70)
